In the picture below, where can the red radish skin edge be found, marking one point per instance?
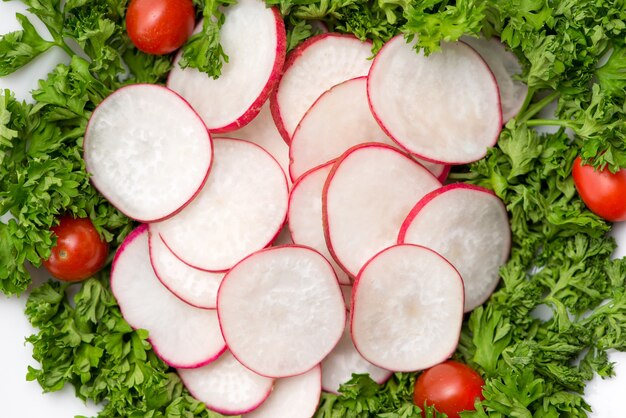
(337, 163)
(273, 237)
(201, 184)
(355, 290)
(255, 107)
(150, 238)
(293, 55)
(257, 252)
(291, 174)
(386, 130)
(296, 184)
(444, 174)
(442, 177)
(131, 237)
(430, 196)
(229, 412)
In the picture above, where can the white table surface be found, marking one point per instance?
(22, 399)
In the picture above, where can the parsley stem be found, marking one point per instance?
(536, 108)
(549, 122)
(529, 97)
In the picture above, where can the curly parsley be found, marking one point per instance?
(571, 51)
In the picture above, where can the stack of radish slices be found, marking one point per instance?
(314, 239)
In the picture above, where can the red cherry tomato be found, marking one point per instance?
(450, 387)
(159, 26)
(603, 192)
(79, 252)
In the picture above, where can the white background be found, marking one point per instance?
(22, 399)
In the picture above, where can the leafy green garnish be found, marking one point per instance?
(204, 50)
(560, 259)
(89, 345)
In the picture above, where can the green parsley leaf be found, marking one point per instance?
(19, 48)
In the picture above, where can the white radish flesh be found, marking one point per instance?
(263, 132)
(505, 66)
(196, 287)
(147, 151)
(305, 216)
(240, 209)
(345, 360)
(407, 309)
(253, 37)
(292, 397)
(281, 310)
(444, 108)
(183, 336)
(366, 198)
(338, 120)
(226, 386)
(469, 226)
(312, 68)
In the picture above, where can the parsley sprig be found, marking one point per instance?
(571, 51)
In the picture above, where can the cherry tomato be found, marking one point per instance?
(159, 26)
(451, 387)
(603, 192)
(79, 252)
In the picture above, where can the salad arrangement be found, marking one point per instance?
(571, 52)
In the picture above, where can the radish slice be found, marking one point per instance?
(444, 108)
(504, 65)
(226, 386)
(343, 361)
(196, 287)
(281, 310)
(262, 131)
(253, 37)
(147, 151)
(368, 194)
(407, 309)
(292, 397)
(339, 119)
(240, 209)
(312, 68)
(305, 216)
(463, 223)
(181, 335)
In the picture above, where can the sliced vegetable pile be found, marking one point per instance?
(224, 200)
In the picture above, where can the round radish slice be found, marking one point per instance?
(312, 68)
(504, 65)
(444, 108)
(407, 309)
(183, 336)
(240, 209)
(305, 216)
(338, 120)
(226, 386)
(281, 310)
(196, 287)
(367, 196)
(262, 131)
(292, 397)
(147, 151)
(343, 361)
(463, 223)
(253, 37)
